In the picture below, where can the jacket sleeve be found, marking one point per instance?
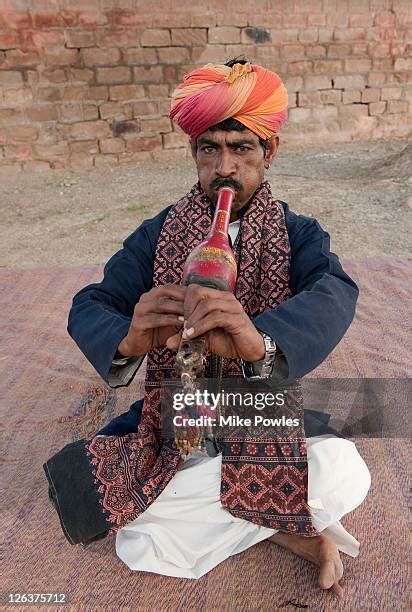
(309, 325)
(101, 313)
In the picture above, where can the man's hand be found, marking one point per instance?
(220, 318)
(155, 319)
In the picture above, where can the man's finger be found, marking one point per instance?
(209, 305)
(217, 319)
(337, 590)
(173, 342)
(151, 321)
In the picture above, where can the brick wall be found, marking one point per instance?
(87, 82)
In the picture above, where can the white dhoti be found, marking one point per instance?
(186, 532)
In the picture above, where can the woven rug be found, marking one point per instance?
(51, 396)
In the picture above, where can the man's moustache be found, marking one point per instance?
(218, 183)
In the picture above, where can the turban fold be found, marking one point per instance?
(256, 97)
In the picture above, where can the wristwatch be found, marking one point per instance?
(262, 369)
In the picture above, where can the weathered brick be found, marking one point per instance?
(173, 55)
(115, 110)
(84, 146)
(80, 38)
(18, 151)
(377, 108)
(391, 93)
(299, 115)
(84, 75)
(36, 166)
(173, 140)
(291, 20)
(224, 35)
(310, 98)
(167, 155)
(71, 113)
(113, 37)
(361, 21)
(351, 96)
(155, 38)
(10, 168)
(136, 157)
(105, 160)
(301, 68)
(308, 35)
(231, 16)
(89, 130)
(317, 19)
(39, 112)
(112, 145)
(18, 97)
(140, 55)
(99, 92)
(10, 79)
(101, 57)
(339, 50)
(90, 112)
(397, 106)
(315, 51)
(403, 63)
(360, 48)
(170, 74)
(293, 83)
(147, 74)
(382, 64)
(329, 67)
(206, 20)
(188, 37)
(348, 112)
(120, 74)
(61, 57)
(387, 19)
(337, 18)
(279, 36)
(312, 83)
(23, 133)
(143, 142)
(57, 75)
(17, 58)
(292, 100)
(371, 95)
(211, 53)
(44, 39)
(323, 114)
(349, 82)
(145, 107)
(376, 79)
(55, 19)
(263, 52)
(158, 91)
(325, 34)
(157, 124)
(51, 151)
(358, 65)
(345, 34)
(126, 92)
(75, 92)
(9, 40)
(292, 51)
(330, 96)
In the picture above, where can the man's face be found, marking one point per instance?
(234, 159)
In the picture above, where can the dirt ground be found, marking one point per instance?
(360, 192)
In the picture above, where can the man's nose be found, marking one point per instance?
(226, 164)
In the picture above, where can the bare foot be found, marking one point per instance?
(318, 550)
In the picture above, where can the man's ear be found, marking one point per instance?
(193, 148)
(272, 148)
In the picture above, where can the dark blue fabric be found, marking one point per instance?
(306, 327)
(124, 423)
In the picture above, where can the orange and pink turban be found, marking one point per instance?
(256, 97)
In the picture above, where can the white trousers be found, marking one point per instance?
(186, 532)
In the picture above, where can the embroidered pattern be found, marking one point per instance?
(263, 480)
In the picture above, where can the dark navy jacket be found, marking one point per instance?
(306, 327)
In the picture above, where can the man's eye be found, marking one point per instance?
(242, 148)
(208, 149)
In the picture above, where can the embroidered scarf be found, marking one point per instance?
(132, 471)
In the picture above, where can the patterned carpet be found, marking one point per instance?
(51, 395)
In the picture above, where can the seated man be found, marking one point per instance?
(292, 304)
